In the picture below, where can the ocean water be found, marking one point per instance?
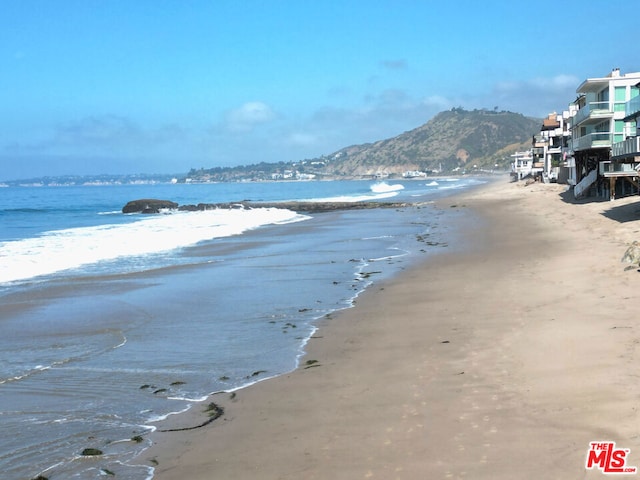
(111, 322)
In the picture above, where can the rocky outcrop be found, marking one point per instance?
(91, 452)
(304, 207)
(154, 206)
(148, 205)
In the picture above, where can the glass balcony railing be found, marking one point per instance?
(632, 106)
(593, 109)
(613, 168)
(631, 146)
(592, 140)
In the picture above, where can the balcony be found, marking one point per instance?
(537, 151)
(592, 140)
(632, 108)
(629, 148)
(614, 169)
(593, 112)
(539, 142)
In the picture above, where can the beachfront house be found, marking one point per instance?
(523, 165)
(550, 146)
(601, 121)
(625, 154)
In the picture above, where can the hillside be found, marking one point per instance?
(451, 139)
(455, 140)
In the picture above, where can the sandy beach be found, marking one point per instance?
(500, 362)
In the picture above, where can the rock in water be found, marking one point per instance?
(90, 452)
(148, 205)
(632, 255)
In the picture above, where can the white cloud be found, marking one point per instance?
(437, 101)
(539, 84)
(249, 115)
(536, 96)
(301, 140)
(559, 82)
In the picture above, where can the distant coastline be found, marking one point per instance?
(153, 179)
(91, 180)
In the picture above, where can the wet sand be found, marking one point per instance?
(500, 362)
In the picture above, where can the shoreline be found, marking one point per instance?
(504, 360)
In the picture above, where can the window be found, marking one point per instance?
(619, 131)
(620, 97)
(603, 95)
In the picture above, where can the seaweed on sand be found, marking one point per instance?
(215, 411)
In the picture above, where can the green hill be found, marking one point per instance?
(453, 139)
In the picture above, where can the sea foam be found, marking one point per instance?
(61, 250)
(384, 187)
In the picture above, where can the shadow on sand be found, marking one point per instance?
(627, 212)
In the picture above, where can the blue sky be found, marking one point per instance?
(159, 86)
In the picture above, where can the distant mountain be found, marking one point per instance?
(455, 139)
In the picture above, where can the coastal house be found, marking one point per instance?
(550, 146)
(523, 165)
(625, 154)
(414, 174)
(600, 122)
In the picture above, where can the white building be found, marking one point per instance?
(601, 121)
(550, 147)
(523, 165)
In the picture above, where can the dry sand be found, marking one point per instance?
(503, 362)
